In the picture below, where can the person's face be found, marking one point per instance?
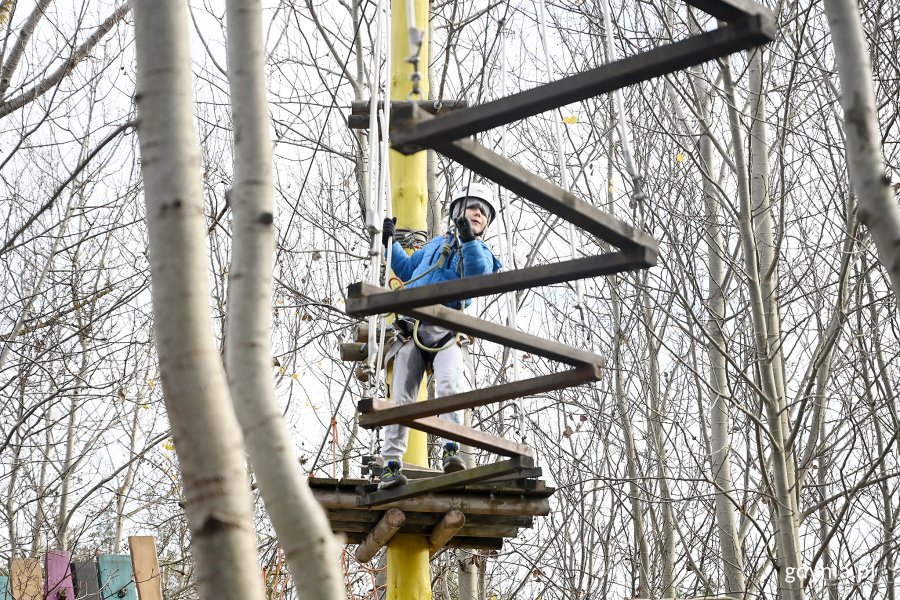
(477, 218)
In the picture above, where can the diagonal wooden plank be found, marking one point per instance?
(366, 299)
(463, 434)
(551, 197)
(500, 334)
(442, 482)
(409, 137)
(517, 389)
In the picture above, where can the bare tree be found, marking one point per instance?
(205, 429)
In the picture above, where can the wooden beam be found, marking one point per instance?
(145, 563)
(518, 389)
(352, 528)
(447, 527)
(370, 299)
(469, 504)
(410, 135)
(563, 203)
(479, 543)
(366, 519)
(507, 336)
(433, 484)
(461, 433)
(380, 535)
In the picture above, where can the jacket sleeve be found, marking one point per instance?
(478, 259)
(404, 265)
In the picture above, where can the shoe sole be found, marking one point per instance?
(455, 466)
(391, 485)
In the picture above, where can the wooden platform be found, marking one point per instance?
(493, 511)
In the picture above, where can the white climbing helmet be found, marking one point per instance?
(474, 192)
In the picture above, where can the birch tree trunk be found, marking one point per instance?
(720, 411)
(205, 430)
(763, 231)
(877, 209)
(656, 412)
(784, 509)
(300, 522)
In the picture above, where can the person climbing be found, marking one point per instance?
(458, 253)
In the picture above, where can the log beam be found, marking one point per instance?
(384, 530)
(449, 525)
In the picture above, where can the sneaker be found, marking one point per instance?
(451, 460)
(392, 476)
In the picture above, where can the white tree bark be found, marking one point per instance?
(301, 524)
(720, 411)
(784, 510)
(205, 430)
(877, 209)
(654, 417)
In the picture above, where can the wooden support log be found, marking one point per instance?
(447, 527)
(380, 535)
(353, 528)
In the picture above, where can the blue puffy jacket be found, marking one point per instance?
(477, 259)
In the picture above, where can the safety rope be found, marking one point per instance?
(378, 198)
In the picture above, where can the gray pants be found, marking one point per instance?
(450, 377)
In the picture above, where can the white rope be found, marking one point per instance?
(387, 200)
(378, 198)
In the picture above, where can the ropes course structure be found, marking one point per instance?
(479, 507)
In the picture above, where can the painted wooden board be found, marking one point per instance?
(58, 575)
(4, 588)
(25, 579)
(146, 567)
(116, 580)
(85, 578)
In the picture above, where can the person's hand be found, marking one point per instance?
(464, 228)
(387, 230)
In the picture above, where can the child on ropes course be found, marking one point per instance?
(458, 253)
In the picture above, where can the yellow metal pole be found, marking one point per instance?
(408, 575)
